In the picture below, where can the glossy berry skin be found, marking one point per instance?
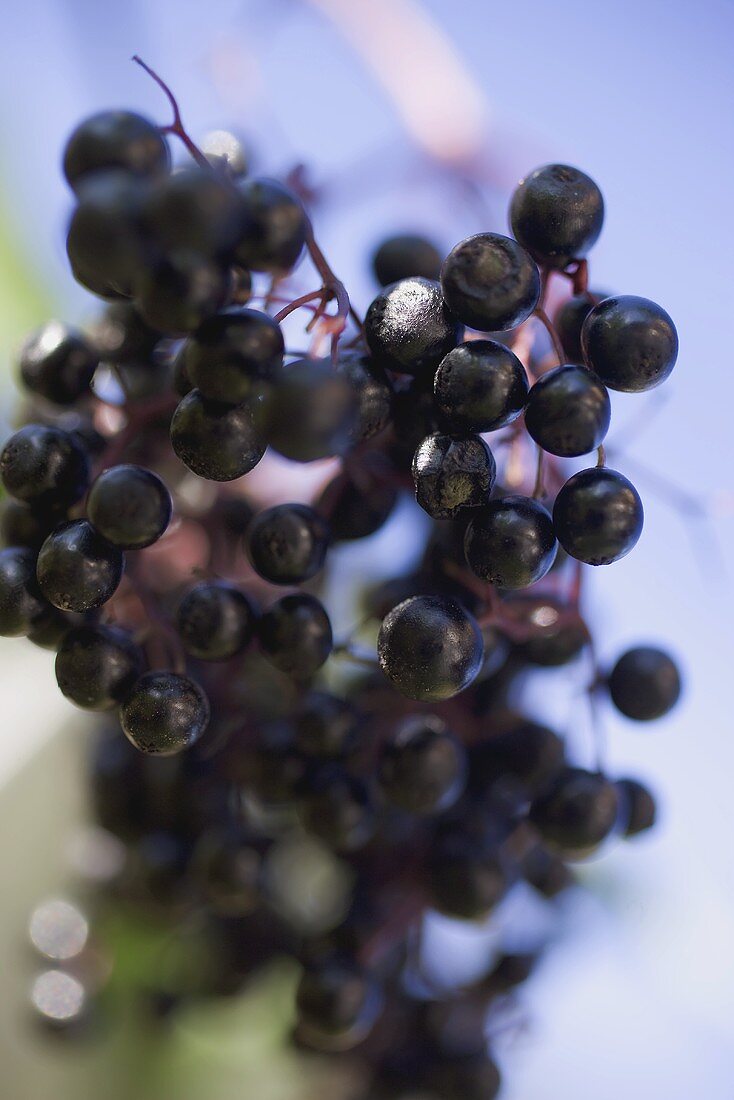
(639, 811)
(44, 466)
(216, 621)
(287, 544)
(326, 726)
(21, 602)
(429, 647)
(96, 666)
(576, 812)
(405, 256)
(569, 319)
(217, 442)
(372, 391)
(480, 386)
(232, 352)
(490, 282)
(275, 227)
(129, 506)
(598, 516)
(510, 542)
(104, 243)
(557, 213)
(452, 474)
(311, 412)
(644, 684)
(57, 363)
(408, 327)
(115, 139)
(422, 767)
(77, 569)
(164, 713)
(295, 635)
(630, 342)
(568, 411)
(194, 210)
(177, 293)
(338, 808)
(336, 1000)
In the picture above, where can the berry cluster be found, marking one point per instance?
(404, 780)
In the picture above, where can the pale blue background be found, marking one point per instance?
(639, 1000)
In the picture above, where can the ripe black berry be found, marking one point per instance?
(232, 352)
(405, 256)
(57, 362)
(21, 602)
(422, 766)
(557, 213)
(24, 525)
(287, 544)
(115, 139)
(311, 412)
(569, 319)
(164, 713)
(275, 227)
(568, 411)
(178, 292)
(480, 386)
(216, 621)
(577, 812)
(638, 808)
(630, 342)
(295, 635)
(408, 327)
(372, 391)
(104, 244)
(430, 647)
(336, 1001)
(358, 513)
(452, 474)
(96, 666)
(490, 282)
(598, 516)
(129, 506)
(510, 542)
(196, 211)
(77, 569)
(44, 466)
(644, 683)
(218, 442)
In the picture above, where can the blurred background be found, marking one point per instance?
(421, 116)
